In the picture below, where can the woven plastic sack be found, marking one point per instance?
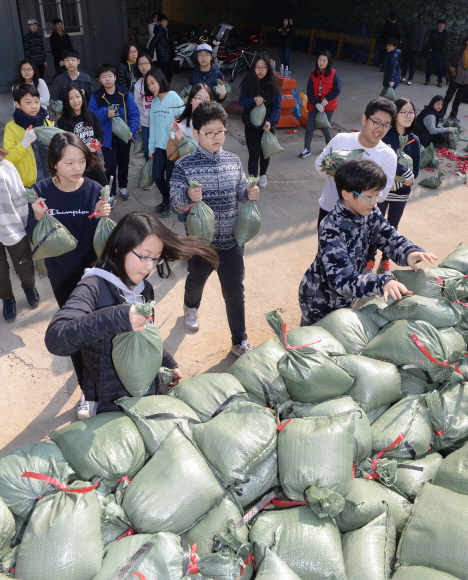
(7, 532)
(261, 479)
(187, 145)
(137, 357)
(146, 174)
(366, 500)
(270, 144)
(411, 474)
(50, 238)
(333, 161)
(388, 93)
(436, 532)
(309, 545)
(371, 308)
(155, 417)
(321, 121)
(273, 568)
(63, 538)
(419, 344)
(421, 573)
(427, 156)
(151, 556)
(248, 221)
(320, 339)
(452, 139)
(257, 115)
(200, 220)
(19, 493)
(453, 471)
(350, 327)
(209, 393)
(406, 161)
(369, 551)
(375, 383)
(362, 431)
(185, 92)
(56, 106)
(174, 490)
(439, 312)
(227, 86)
(222, 565)
(411, 385)
(428, 282)
(107, 446)
(46, 133)
(375, 414)
(317, 453)
(120, 129)
(104, 227)
(458, 259)
(139, 146)
(114, 521)
(432, 182)
(237, 440)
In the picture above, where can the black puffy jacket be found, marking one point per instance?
(124, 75)
(162, 44)
(90, 319)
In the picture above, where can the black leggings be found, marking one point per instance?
(395, 211)
(253, 138)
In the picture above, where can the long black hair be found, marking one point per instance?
(125, 50)
(187, 112)
(68, 113)
(252, 86)
(35, 78)
(329, 64)
(133, 229)
(158, 76)
(57, 147)
(433, 101)
(137, 72)
(399, 104)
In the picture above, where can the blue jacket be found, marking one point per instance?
(208, 78)
(412, 149)
(392, 69)
(128, 111)
(271, 102)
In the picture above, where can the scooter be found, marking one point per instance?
(185, 56)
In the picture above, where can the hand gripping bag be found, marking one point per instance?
(421, 573)
(435, 535)
(270, 144)
(51, 239)
(155, 417)
(21, 494)
(146, 174)
(107, 446)
(458, 259)
(248, 221)
(120, 129)
(452, 139)
(427, 282)
(369, 551)
(309, 545)
(137, 356)
(63, 538)
(237, 440)
(322, 122)
(439, 312)
(412, 474)
(453, 471)
(388, 93)
(333, 161)
(200, 219)
(209, 393)
(257, 115)
(46, 133)
(350, 327)
(7, 532)
(174, 490)
(273, 568)
(104, 227)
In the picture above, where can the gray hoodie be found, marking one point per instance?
(130, 295)
(84, 82)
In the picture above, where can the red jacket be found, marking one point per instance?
(330, 89)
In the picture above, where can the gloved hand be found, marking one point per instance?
(220, 90)
(29, 137)
(391, 83)
(319, 107)
(324, 103)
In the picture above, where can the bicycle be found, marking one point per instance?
(241, 62)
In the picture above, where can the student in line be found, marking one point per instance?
(29, 74)
(392, 73)
(207, 73)
(34, 49)
(59, 41)
(71, 74)
(143, 102)
(428, 127)
(162, 44)
(126, 69)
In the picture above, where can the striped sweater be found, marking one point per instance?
(223, 185)
(34, 47)
(13, 206)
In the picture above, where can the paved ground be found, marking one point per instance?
(39, 391)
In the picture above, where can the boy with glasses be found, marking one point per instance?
(222, 186)
(337, 276)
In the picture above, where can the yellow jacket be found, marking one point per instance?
(23, 159)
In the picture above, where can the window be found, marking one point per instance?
(67, 10)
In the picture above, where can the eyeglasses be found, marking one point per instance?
(27, 70)
(377, 198)
(212, 135)
(378, 124)
(202, 100)
(407, 113)
(261, 68)
(148, 259)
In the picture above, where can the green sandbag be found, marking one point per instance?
(433, 182)
(362, 430)
(152, 556)
(273, 568)
(143, 412)
(439, 312)
(46, 133)
(222, 565)
(350, 327)
(399, 343)
(411, 385)
(425, 281)
(185, 92)
(411, 474)
(174, 490)
(19, 493)
(270, 144)
(200, 220)
(107, 446)
(427, 156)
(262, 478)
(257, 115)
(167, 376)
(114, 522)
(146, 174)
(208, 392)
(375, 414)
(367, 499)
(248, 221)
(63, 538)
(403, 158)
(453, 471)
(309, 545)
(370, 310)
(104, 227)
(409, 417)
(321, 121)
(436, 532)
(139, 146)
(257, 371)
(421, 573)
(137, 357)
(227, 86)
(319, 339)
(7, 532)
(456, 288)
(458, 259)
(376, 383)
(187, 145)
(237, 440)
(333, 161)
(452, 139)
(310, 376)
(56, 106)
(50, 238)
(388, 93)
(369, 551)
(120, 129)
(317, 452)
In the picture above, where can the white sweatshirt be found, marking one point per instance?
(143, 103)
(13, 206)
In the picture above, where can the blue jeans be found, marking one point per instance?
(311, 128)
(162, 171)
(438, 59)
(145, 137)
(284, 55)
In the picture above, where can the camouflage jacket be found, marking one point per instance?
(335, 278)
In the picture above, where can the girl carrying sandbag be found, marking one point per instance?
(101, 306)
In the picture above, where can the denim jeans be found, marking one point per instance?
(311, 127)
(162, 171)
(438, 59)
(145, 137)
(284, 55)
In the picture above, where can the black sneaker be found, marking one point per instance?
(32, 296)
(9, 309)
(161, 207)
(166, 212)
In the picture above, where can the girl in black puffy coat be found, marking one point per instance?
(100, 307)
(126, 68)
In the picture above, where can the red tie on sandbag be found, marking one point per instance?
(424, 350)
(289, 347)
(398, 440)
(61, 486)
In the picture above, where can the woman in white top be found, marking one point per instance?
(151, 33)
(143, 102)
(29, 74)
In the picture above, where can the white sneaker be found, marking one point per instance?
(191, 318)
(86, 409)
(408, 83)
(262, 182)
(304, 154)
(149, 188)
(242, 348)
(403, 79)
